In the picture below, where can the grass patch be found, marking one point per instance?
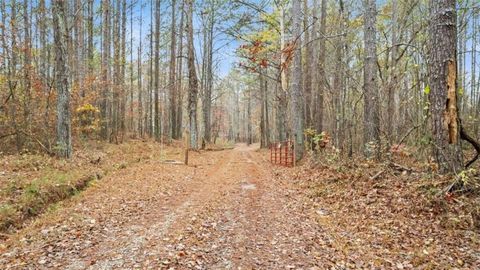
(39, 194)
(8, 216)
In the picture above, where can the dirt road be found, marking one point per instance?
(224, 211)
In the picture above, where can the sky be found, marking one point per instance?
(225, 44)
(226, 55)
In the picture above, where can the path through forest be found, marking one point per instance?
(224, 211)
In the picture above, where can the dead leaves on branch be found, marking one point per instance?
(259, 55)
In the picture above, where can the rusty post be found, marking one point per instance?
(271, 154)
(278, 155)
(280, 151)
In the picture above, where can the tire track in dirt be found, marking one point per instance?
(254, 227)
(151, 234)
(222, 212)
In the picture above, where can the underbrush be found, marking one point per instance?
(31, 183)
(37, 195)
(401, 209)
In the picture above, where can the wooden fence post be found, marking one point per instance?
(187, 146)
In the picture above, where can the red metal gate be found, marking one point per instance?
(282, 153)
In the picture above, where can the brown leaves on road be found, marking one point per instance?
(233, 210)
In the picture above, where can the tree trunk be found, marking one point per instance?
(282, 95)
(123, 61)
(192, 79)
(27, 68)
(267, 119)
(139, 71)
(115, 109)
(249, 118)
(90, 47)
(371, 120)
(443, 81)
(105, 69)
(157, 116)
(79, 41)
(60, 31)
(179, 86)
(296, 92)
(149, 114)
(338, 81)
(392, 86)
(322, 77)
(307, 83)
(263, 139)
(475, 88)
(208, 76)
(131, 116)
(172, 75)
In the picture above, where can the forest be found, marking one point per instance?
(244, 134)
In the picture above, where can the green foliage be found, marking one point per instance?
(8, 215)
(315, 141)
(467, 180)
(40, 193)
(426, 91)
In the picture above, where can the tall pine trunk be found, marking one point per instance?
(105, 69)
(443, 86)
(157, 117)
